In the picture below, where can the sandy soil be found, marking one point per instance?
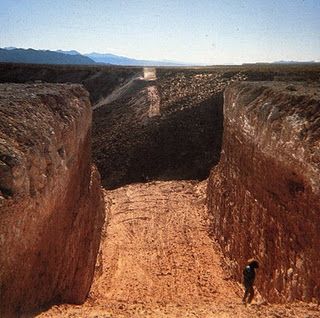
(157, 260)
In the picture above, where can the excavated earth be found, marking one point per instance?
(98, 81)
(158, 257)
(266, 187)
(157, 260)
(162, 129)
(169, 127)
(51, 203)
(156, 127)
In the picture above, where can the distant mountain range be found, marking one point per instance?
(17, 55)
(71, 52)
(72, 57)
(123, 60)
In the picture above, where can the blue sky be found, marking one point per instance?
(198, 31)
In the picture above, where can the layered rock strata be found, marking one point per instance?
(51, 205)
(264, 195)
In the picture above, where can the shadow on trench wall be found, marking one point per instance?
(179, 145)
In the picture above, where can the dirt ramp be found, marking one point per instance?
(51, 205)
(264, 195)
(157, 249)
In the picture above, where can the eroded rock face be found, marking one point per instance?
(264, 195)
(51, 206)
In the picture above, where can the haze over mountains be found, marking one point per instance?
(73, 57)
(108, 58)
(18, 55)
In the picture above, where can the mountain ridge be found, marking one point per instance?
(21, 55)
(124, 60)
(16, 55)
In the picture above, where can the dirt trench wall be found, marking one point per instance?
(264, 195)
(51, 205)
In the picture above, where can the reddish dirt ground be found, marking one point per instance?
(157, 260)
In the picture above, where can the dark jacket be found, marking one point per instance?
(249, 275)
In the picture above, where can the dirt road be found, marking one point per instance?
(157, 260)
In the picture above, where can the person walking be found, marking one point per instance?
(249, 276)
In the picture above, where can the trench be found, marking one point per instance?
(136, 140)
(176, 140)
(157, 257)
(154, 143)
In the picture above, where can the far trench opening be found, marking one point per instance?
(129, 147)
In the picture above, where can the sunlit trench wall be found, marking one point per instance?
(264, 196)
